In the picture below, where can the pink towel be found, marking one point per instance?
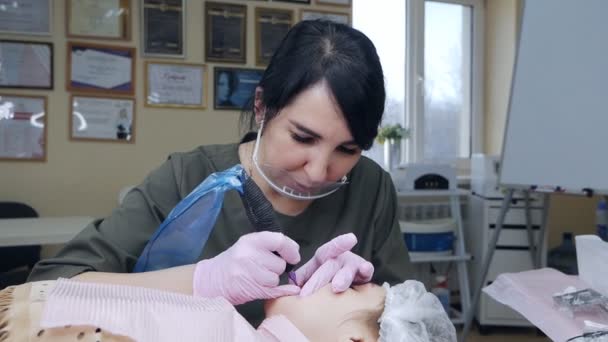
(152, 315)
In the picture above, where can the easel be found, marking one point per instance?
(535, 248)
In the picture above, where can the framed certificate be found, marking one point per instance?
(100, 68)
(22, 127)
(163, 23)
(271, 25)
(175, 85)
(99, 19)
(233, 88)
(338, 17)
(225, 32)
(296, 1)
(26, 64)
(334, 2)
(102, 118)
(28, 17)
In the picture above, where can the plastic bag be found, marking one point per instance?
(181, 237)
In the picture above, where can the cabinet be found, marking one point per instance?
(512, 250)
(460, 257)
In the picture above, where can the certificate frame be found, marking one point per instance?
(339, 3)
(13, 55)
(175, 77)
(271, 25)
(239, 85)
(337, 17)
(300, 2)
(162, 46)
(40, 24)
(233, 16)
(24, 152)
(111, 108)
(82, 65)
(86, 19)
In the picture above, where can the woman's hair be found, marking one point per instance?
(320, 50)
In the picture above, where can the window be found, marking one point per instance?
(431, 52)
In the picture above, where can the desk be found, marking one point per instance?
(41, 231)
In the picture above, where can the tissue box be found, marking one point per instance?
(591, 256)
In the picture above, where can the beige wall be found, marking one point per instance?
(567, 213)
(84, 178)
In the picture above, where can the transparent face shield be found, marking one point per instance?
(288, 184)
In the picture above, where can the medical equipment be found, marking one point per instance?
(288, 184)
(414, 315)
(586, 300)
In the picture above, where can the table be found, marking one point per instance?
(41, 231)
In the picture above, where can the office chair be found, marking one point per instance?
(17, 262)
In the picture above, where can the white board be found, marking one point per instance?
(557, 124)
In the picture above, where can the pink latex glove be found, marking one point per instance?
(248, 270)
(334, 262)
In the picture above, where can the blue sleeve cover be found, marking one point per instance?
(181, 238)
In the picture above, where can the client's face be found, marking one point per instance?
(326, 316)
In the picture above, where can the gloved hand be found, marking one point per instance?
(334, 262)
(248, 270)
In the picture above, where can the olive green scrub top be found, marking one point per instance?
(366, 206)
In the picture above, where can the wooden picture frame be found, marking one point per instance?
(89, 19)
(300, 2)
(114, 118)
(172, 85)
(337, 17)
(271, 25)
(340, 3)
(23, 127)
(225, 32)
(26, 64)
(234, 87)
(105, 69)
(163, 28)
(31, 17)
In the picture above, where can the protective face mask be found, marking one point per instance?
(288, 184)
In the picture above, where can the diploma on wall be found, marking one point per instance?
(175, 85)
(163, 25)
(102, 119)
(26, 64)
(22, 127)
(25, 16)
(101, 69)
(107, 19)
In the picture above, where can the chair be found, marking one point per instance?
(17, 262)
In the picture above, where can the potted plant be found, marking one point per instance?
(390, 136)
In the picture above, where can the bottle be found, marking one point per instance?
(563, 257)
(442, 292)
(601, 218)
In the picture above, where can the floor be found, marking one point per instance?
(504, 334)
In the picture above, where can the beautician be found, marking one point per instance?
(316, 108)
